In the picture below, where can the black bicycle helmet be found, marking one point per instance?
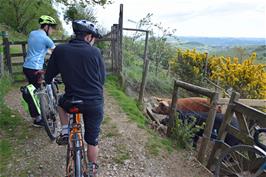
(85, 26)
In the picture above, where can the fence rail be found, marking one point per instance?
(14, 60)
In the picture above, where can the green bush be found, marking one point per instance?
(184, 131)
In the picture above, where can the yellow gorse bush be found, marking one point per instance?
(247, 78)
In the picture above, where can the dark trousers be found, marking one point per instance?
(32, 78)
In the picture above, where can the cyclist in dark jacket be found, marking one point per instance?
(82, 70)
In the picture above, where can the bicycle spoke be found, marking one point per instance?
(240, 161)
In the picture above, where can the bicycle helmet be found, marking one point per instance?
(47, 20)
(85, 26)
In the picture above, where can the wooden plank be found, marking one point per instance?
(16, 54)
(243, 126)
(18, 42)
(60, 41)
(195, 88)
(239, 135)
(208, 128)
(222, 131)
(251, 113)
(17, 64)
(132, 29)
(249, 102)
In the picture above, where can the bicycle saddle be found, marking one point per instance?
(74, 106)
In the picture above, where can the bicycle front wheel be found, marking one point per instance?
(240, 161)
(48, 117)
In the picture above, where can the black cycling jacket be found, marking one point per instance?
(82, 70)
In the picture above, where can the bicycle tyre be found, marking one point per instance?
(69, 159)
(48, 117)
(239, 161)
(78, 156)
(55, 90)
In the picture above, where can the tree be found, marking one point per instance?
(158, 46)
(245, 77)
(23, 15)
(85, 3)
(79, 12)
(241, 53)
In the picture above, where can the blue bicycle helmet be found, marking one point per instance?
(85, 26)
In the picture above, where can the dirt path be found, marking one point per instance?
(122, 150)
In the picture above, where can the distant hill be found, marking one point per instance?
(222, 41)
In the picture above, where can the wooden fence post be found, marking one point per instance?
(7, 51)
(113, 48)
(144, 80)
(222, 133)
(208, 129)
(172, 113)
(24, 51)
(145, 70)
(120, 39)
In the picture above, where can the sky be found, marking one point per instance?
(208, 18)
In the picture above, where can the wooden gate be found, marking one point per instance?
(247, 117)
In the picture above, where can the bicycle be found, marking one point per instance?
(76, 165)
(243, 160)
(45, 99)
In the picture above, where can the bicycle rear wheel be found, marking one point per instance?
(48, 116)
(240, 161)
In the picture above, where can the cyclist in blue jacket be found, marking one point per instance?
(38, 45)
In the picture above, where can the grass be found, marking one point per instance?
(156, 84)
(12, 126)
(111, 129)
(130, 107)
(122, 154)
(127, 104)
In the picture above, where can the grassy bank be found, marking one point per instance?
(12, 127)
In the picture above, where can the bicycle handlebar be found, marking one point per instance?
(256, 137)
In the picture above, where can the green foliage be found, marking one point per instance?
(23, 15)
(77, 11)
(184, 131)
(85, 2)
(12, 34)
(158, 83)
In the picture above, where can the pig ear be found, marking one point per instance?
(158, 99)
(165, 103)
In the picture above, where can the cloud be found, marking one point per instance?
(212, 17)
